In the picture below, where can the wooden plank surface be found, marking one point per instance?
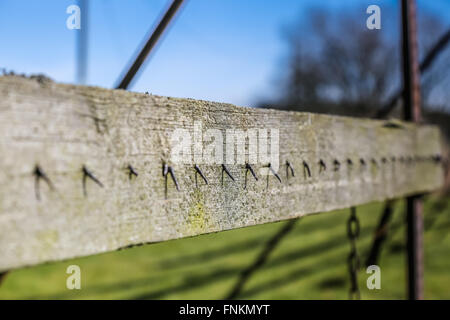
(61, 129)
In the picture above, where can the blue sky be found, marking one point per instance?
(221, 50)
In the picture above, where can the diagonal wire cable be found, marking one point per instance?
(380, 234)
(149, 45)
(261, 259)
(438, 47)
(3, 276)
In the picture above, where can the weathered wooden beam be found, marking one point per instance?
(56, 140)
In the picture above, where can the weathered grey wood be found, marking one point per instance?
(62, 128)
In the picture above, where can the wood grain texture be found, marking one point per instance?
(62, 128)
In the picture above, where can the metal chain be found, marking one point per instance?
(353, 257)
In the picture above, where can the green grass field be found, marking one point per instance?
(309, 263)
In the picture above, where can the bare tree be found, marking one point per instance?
(337, 65)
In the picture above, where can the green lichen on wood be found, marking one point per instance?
(197, 215)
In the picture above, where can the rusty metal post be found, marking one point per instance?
(412, 112)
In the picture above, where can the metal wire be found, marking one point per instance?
(353, 258)
(152, 40)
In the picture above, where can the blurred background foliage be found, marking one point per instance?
(336, 65)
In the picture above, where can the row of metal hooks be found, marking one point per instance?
(168, 171)
(290, 168)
